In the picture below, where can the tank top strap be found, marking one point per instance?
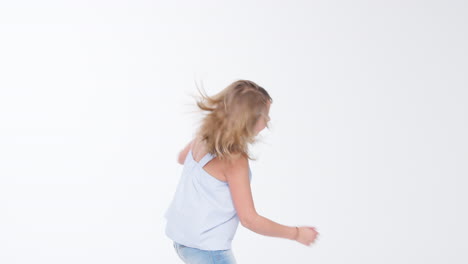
(206, 159)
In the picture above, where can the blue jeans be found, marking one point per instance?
(198, 256)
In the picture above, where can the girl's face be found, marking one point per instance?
(263, 120)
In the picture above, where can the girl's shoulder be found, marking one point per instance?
(238, 163)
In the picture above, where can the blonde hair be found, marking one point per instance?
(233, 113)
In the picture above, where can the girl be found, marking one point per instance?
(213, 194)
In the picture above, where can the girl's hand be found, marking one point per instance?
(307, 235)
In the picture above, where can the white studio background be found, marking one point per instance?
(368, 140)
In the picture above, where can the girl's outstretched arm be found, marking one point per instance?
(237, 176)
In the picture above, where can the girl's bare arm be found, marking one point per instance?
(237, 175)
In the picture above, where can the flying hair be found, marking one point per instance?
(231, 116)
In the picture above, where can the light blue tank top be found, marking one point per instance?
(201, 214)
